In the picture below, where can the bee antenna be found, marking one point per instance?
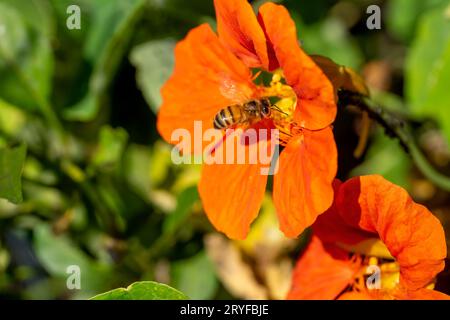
(274, 106)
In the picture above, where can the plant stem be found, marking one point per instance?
(396, 128)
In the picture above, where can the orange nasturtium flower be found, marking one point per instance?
(372, 226)
(246, 44)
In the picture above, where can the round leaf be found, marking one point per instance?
(144, 290)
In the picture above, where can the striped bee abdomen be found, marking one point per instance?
(227, 117)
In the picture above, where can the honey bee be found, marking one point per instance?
(246, 110)
(246, 113)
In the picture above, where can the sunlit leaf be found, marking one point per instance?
(160, 163)
(111, 146)
(11, 166)
(188, 176)
(331, 39)
(12, 119)
(36, 14)
(137, 168)
(26, 57)
(154, 62)
(12, 31)
(403, 16)
(184, 206)
(83, 110)
(144, 290)
(265, 241)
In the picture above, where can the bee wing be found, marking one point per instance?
(231, 90)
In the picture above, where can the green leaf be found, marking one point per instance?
(12, 31)
(12, 119)
(428, 69)
(137, 169)
(195, 276)
(11, 166)
(186, 200)
(330, 38)
(403, 16)
(57, 252)
(108, 39)
(84, 110)
(390, 101)
(26, 57)
(154, 62)
(36, 14)
(387, 158)
(144, 290)
(111, 146)
(106, 18)
(160, 162)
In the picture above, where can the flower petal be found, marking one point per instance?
(232, 191)
(330, 227)
(423, 294)
(316, 105)
(414, 237)
(241, 33)
(322, 272)
(193, 91)
(353, 295)
(303, 185)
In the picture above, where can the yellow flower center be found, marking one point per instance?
(379, 273)
(284, 101)
(373, 269)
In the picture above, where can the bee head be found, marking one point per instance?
(265, 107)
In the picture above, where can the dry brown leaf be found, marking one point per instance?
(235, 274)
(277, 276)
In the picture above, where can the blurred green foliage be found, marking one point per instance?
(11, 163)
(428, 69)
(405, 15)
(79, 146)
